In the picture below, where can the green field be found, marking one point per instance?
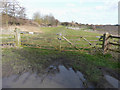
(30, 57)
(49, 38)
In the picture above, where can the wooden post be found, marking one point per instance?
(17, 37)
(105, 42)
(60, 41)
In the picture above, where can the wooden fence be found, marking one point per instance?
(107, 43)
(13, 39)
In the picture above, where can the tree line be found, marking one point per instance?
(13, 12)
(45, 19)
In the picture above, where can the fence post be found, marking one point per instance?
(17, 37)
(60, 38)
(105, 42)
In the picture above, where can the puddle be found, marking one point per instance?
(113, 81)
(55, 77)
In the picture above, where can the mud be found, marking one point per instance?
(113, 81)
(53, 77)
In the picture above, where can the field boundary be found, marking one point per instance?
(107, 43)
(64, 40)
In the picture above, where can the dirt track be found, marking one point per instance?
(11, 29)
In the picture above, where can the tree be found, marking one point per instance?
(46, 19)
(51, 19)
(37, 17)
(12, 8)
(21, 13)
(57, 21)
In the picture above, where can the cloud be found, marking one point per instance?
(70, 5)
(108, 6)
(81, 1)
(104, 11)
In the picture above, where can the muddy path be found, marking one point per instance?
(59, 74)
(55, 77)
(33, 68)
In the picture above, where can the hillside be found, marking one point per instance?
(22, 24)
(16, 21)
(30, 25)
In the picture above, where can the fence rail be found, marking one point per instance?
(114, 44)
(107, 43)
(61, 40)
(118, 37)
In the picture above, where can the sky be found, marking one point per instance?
(81, 11)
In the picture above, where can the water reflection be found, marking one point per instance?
(113, 81)
(55, 76)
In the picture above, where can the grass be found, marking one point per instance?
(49, 37)
(7, 38)
(37, 60)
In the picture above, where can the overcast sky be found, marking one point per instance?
(82, 11)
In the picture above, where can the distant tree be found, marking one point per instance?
(37, 17)
(46, 19)
(57, 21)
(65, 23)
(76, 23)
(49, 19)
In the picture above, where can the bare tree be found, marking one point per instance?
(12, 8)
(49, 19)
(37, 17)
(46, 19)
